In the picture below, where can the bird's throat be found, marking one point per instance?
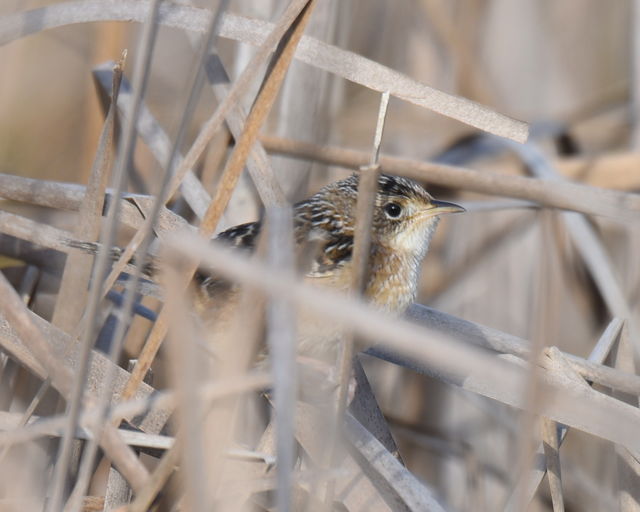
(393, 278)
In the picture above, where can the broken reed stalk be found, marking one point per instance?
(498, 341)
(76, 274)
(156, 139)
(210, 220)
(242, 84)
(528, 483)
(192, 424)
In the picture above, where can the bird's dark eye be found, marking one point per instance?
(393, 210)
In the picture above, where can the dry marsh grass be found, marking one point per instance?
(512, 384)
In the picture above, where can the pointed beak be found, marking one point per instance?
(440, 207)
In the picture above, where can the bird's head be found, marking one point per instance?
(405, 214)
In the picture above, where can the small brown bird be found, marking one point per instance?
(404, 220)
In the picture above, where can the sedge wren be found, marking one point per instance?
(404, 219)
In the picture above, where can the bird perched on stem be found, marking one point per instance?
(405, 217)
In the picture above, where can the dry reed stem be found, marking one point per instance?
(355, 490)
(159, 401)
(240, 87)
(32, 231)
(366, 410)
(62, 343)
(144, 205)
(528, 484)
(387, 472)
(281, 314)
(88, 322)
(75, 278)
(52, 194)
(63, 196)
(617, 205)
(490, 337)
(463, 365)
(123, 162)
(480, 335)
(165, 468)
(551, 445)
(244, 472)
(591, 249)
(195, 88)
(628, 464)
(12, 433)
(144, 234)
(156, 140)
(258, 163)
(367, 191)
(343, 63)
(257, 116)
(281, 340)
(373, 475)
(235, 164)
(73, 289)
(544, 308)
(77, 270)
(555, 372)
(19, 318)
(187, 373)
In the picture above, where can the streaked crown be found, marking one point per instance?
(405, 214)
